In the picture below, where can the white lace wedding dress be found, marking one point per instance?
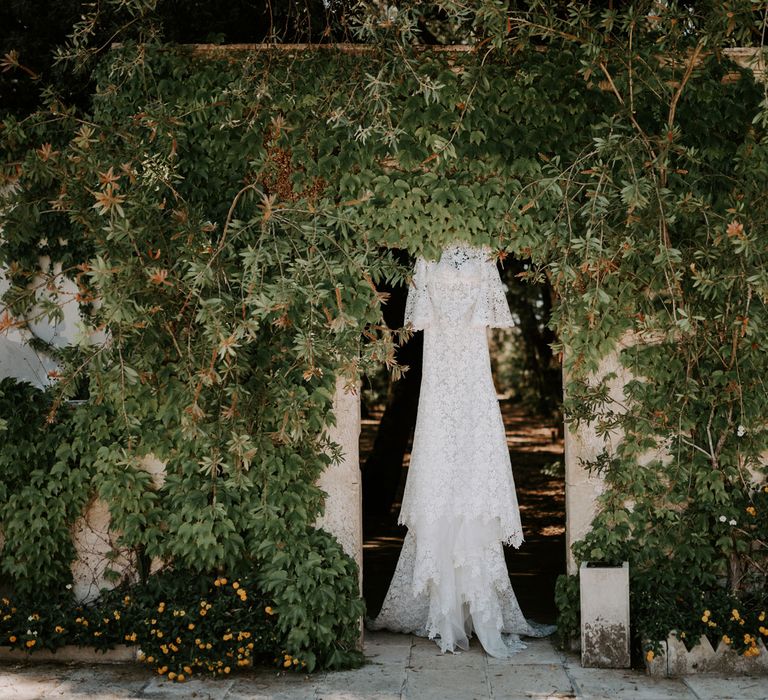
(459, 503)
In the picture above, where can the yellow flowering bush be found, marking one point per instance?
(737, 622)
(184, 624)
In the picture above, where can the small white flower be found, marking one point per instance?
(34, 634)
(723, 518)
(30, 618)
(731, 522)
(29, 631)
(68, 586)
(741, 430)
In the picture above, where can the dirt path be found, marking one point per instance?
(533, 444)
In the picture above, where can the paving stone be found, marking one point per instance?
(387, 648)
(25, 682)
(103, 682)
(429, 656)
(200, 689)
(537, 651)
(384, 682)
(728, 688)
(446, 684)
(273, 686)
(529, 681)
(610, 684)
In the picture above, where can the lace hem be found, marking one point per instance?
(451, 582)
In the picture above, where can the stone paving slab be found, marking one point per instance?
(537, 651)
(610, 684)
(446, 684)
(400, 667)
(100, 683)
(728, 688)
(382, 682)
(28, 682)
(529, 681)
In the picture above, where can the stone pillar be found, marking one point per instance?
(343, 515)
(582, 489)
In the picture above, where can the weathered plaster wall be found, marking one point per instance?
(17, 358)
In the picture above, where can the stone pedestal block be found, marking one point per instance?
(604, 616)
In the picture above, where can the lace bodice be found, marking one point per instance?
(462, 288)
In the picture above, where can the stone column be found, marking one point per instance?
(343, 515)
(582, 489)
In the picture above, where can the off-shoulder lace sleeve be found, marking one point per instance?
(491, 307)
(418, 307)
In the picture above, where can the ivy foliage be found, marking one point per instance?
(225, 217)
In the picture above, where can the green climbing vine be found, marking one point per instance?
(223, 218)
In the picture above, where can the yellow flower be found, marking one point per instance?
(707, 613)
(159, 634)
(171, 676)
(269, 610)
(235, 585)
(761, 616)
(226, 669)
(58, 629)
(187, 670)
(735, 614)
(30, 643)
(726, 639)
(191, 626)
(180, 678)
(287, 663)
(12, 639)
(751, 510)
